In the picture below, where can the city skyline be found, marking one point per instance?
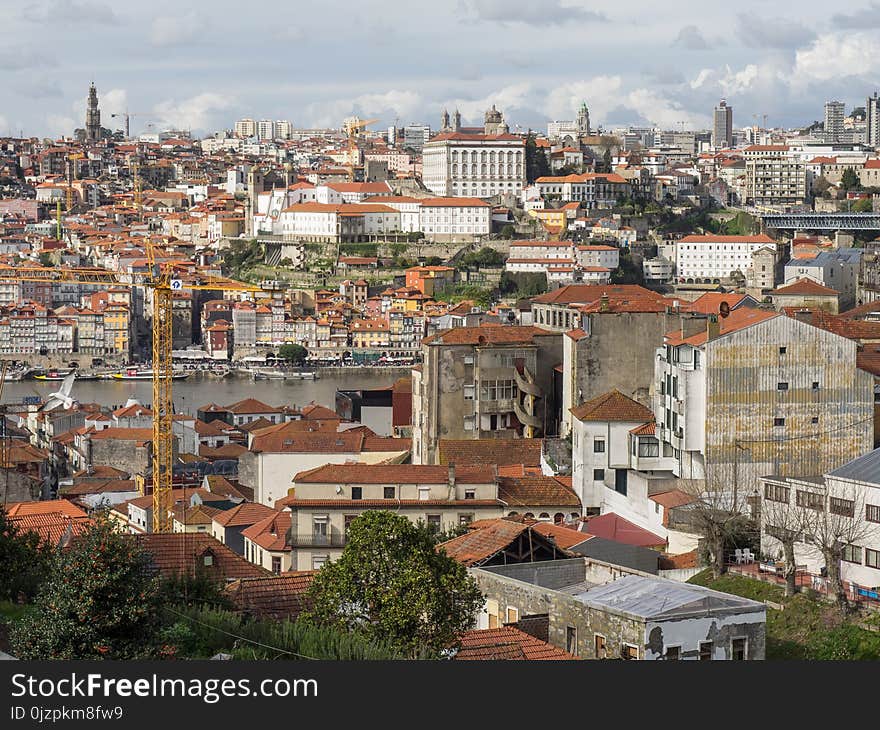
(472, 54)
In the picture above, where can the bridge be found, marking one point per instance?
(822, 221)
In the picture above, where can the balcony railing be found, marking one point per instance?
(313, 540)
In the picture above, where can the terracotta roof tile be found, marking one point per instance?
(395, 474)
(246, 513)
(612, 406)
(611, 526)
(506, 642)
(536, 491)
(501, 452)
(276, 597)
(184, 553)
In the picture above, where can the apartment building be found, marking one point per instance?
(325, 501)
(456, 218)
(484, 382)
(759, 393)
(849, 492)
(590, 189)
(774, 176)
(837, 269)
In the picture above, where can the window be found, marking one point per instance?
(469, 392)
(649, 446)
(465, 518)
(872, 512)
(571, 640)
(778, 421)
(872, 558)
(434, 524)
(599, 646)
(598, 446)
(469, 423)
(814, 419)
(628, 651)
(470, 493)
(512, 615)
(357, 492)
(738, 649)
(388, 492)
(319, 561)
(673, 653)
(424, 493)
(812, 500)
(815, 385)
(208, 560)
(599, 476)
(776, 493)
(347, 520)
(781, 386)
(706, 648)
(844, 507)
(782, 350)
(276, 565)
(852, 554)
(620, 481)
(492, 609)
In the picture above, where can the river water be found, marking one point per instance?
(199, 390)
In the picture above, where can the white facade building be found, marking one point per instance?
(716, 257)
(459, 164)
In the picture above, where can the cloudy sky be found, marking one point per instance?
(201, 65)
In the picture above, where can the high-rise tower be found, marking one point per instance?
(722, 128)
(93, 116)
(872, 117)
(834, 113)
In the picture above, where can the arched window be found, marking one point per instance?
(529, 515)
(513, 514)
(558, 517)
(544, 516)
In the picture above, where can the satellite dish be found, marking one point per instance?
(724, 309)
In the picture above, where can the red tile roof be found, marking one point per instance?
(737, 320)
(506, 642)
(491, 451)
(246, 513)
(713, 238)
(395, 474)
(536, 491)
(270, 533)
(612, 406)
(276, 597)
(612, 526)
(488, 335)
(184, 553)
(805, 287)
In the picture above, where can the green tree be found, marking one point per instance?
(508, 231)
(392, 584)
(99, 602)
(865, 205)
(24, 561)
(628, 271)
(850, 180)
(293, 353)
(537, 164)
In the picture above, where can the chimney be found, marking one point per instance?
(603, 302)
(713, 327)
(452, 476)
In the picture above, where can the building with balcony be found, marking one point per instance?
(328, 498)
(776, 177)
(758, 393)
(484, 382)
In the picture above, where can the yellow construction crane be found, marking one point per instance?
(353, 127)
(163, 282)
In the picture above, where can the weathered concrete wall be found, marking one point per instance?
(619, 352)
(743, 399)
(126, 455)
(720, 629)
(18, 487)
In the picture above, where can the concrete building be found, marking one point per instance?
(328, 498)
(722, 126)
(872, 119)
(484, 382)
(759, 393)
(474, 162)
(245, 128)
(599, 610)
(712, 258)
(837, 269)
(774, 176)
(849, 491)
(834, 114)
(806, 294)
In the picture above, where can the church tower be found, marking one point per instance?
(583, 120)
(456, 121)
(444, 121)
(93, 116)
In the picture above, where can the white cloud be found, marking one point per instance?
(547, 12)
(173, 30)
(60, 125)
(71, 11)
(692, 38)
(837, 55)
(507, 99)
(197, 113)
(602, 94)
(403, 104)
